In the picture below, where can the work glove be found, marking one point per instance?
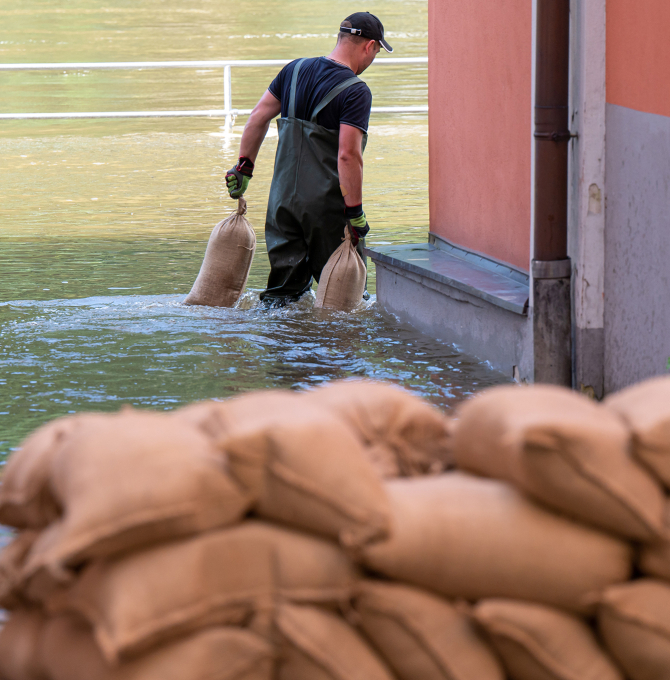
(238, 177)
(358, 223)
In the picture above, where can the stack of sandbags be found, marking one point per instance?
(401, 435)
(466, 538)
(598, 469)
(324, 535)
(564, 451)
(634, 618)
(85, 490)
(210, 539)
(62, 647)
(645, 409)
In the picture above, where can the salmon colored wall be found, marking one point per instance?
(479, 74)
(638, 55)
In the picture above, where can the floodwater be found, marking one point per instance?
(103, 223)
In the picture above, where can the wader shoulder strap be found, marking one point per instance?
(294, 82)
(332, 94)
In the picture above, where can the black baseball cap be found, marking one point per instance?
(367, 26)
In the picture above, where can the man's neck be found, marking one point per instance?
(342, 57)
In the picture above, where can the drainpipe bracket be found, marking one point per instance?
(552, 269)
(555, 136)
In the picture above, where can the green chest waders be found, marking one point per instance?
(305, 219)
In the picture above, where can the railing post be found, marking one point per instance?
(228, 98)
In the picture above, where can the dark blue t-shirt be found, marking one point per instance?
(317, 77)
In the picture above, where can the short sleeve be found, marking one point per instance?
(356, 107)
(276, 85)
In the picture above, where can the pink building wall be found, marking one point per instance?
(638, 55)
(480, 58)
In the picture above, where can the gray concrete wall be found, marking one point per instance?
(637, 246)
(475, 326)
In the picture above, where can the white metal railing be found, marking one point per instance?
(228, 112)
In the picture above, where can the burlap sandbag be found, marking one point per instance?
(564, 450)
(319, 645)
(12, 563)
(225, 269)
(645, 408)
(306, 569)
(420, 635)
(142, 600)
(541, 643)
(302, 464)
(221, 419)
(403, 434)
(463, 536)
(634, 622)
(342, 281)
(126, 480)
(70, 653)
(654, 558)
(20, 640)
(26, 500)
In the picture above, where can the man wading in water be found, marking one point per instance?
(317, 185)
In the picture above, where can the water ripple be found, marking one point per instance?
(63, 356)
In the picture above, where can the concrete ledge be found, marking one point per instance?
(482, 279)
(481, 311)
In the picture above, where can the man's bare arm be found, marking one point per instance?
(268, 107)
(350, 164)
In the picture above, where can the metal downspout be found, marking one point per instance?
(551, 267)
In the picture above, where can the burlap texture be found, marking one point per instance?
(306, 569)
(26, 500)
(541, 643)
(645, 408)
(70, 653)
(654, 558)
(127, 480)
(634, 622)
(421, 635)
(225, 269)
(565, 451)
(319, 645)
(463, 536)
(12, 562)
(20, 640)
(403, 435)
(342, 281)
(142, 600)
(314, 476)
(302, 465)
(241, 414)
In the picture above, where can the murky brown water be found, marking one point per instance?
(103, 223)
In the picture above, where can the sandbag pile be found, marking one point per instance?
(214, 542)
(225, 268)
(326, 535)
(603, 468)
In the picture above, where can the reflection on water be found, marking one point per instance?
(136, 209)
(103, 223)
(168, 30)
